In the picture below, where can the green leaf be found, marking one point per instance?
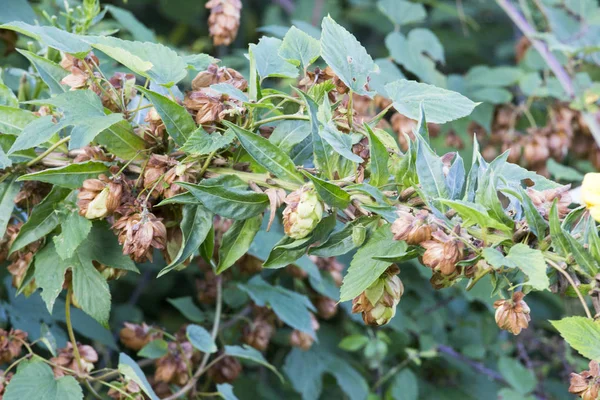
(226, 391)
(120, 140)
(50, 72)
(405, 386)
(250, 353)
(520, 378)
(50, 274)
(582, 255)
(455, 180)
(402, 12)
(132, 24)
(482, 75)
(5, 162)
(562, 172)
(103, 246)
(155, 349)
(84, 112)
(7, 96)
(35, 133)
(186, 306)
(131, 370)
(199, 62)
(200, 142)
(150, 60)
(70, 176)
(364, 269)
(330, 193)
(338, 243)
(53, 37)
(177, 120)
(230, 91)
(289, 133)
(75, 229)
(473, 213)
(236, 241)
(13, 120)
(234, 203)
(299, 48)
(195, 225)
(532, 263)
(560, 244)
(42, 221)
(267, 154)
(379, 159)
(582, 334)
(90, 288)
(430, 170)
(340, 142)
(353, 342)
(440, 105)
(290, 307)
(322, 151)
(35, 380)
(346, 56)
(268, 61)
(200, 339)
(496, 259)
(8, 191)
(536, 222)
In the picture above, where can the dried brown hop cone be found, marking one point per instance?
(215, 74)
(66, 358)
(31, 194)
(226, 370)
(413, 229)
(259, 332)
(443, 252)
(224, 20)
(101, 197)
(140, 233)
(379, 301)
(19, 260)
(132, 390)
(587, 383)
(543, 200)
(512, 315)
(326, 308)
(305, 340)
(172, 367)
(135, 337)
(11, 343)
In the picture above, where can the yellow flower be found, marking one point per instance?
(590, 193)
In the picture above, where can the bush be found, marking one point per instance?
(176, 225)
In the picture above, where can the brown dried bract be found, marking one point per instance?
(512, 315)
(224, 20)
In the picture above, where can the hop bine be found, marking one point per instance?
(512, 315)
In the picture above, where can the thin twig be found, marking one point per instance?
(215, 330)
(521, 23)
(572, 283)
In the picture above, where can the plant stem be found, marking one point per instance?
(279, 118)
(261, 179)
(215, 330)
(572, 283)
(48, 151)
(521, 23)
(70, 327)
(206, 163)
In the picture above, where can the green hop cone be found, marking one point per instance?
(303, 212)
(378, 302)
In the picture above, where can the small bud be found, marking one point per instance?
(135, 337)
(224, 20)
(512, 315)
(258, 333)
(378, 302)
(543, 200)
(66, 358)
(11, 343)
(359, 234)
(303, 212)
(326, 308)
(587, 383)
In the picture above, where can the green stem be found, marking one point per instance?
(281, 96)
(206, 163)
(279, 118)
(572, 283)
(259, 179)
(70, 327)
(48, 151)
